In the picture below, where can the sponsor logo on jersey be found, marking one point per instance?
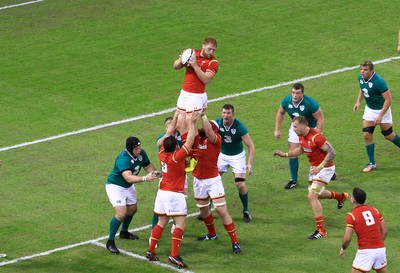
(290, 106)
(202, 147)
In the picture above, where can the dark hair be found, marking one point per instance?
(229, 107)
(359, 195)
(301, 120)
(298, 86)
(132, 143)
(169, 144)
(210, 40)
(368, 64)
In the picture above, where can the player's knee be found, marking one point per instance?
(387, 132)
(314, 190)
(240, 179)
(369, 129)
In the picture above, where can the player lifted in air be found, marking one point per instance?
(201, 68)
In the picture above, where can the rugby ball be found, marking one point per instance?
(186, 54)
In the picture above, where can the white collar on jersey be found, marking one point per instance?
(373, 74)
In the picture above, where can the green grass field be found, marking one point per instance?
(71, 65)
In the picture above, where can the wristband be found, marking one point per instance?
(204, 117)
(286, 155)
(321, 166)
(144, 178)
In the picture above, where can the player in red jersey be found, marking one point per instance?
(368, 223)
(200, 70)
(320, 154)
(207, 183)
(170, 200)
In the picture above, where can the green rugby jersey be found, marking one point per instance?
(306, 108)
(124, 162)
(372, 91)
(232, 143)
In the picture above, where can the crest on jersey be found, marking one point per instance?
(233, 131)
(370, 84)
(302, 107)
(361, 82)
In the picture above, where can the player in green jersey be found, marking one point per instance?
(377, 110)
(234, 133)
(298, 104)
(121, 191)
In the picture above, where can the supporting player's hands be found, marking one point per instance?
(192, 116)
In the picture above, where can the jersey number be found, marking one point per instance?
(164, 168)
(365, 91)
(369, 219)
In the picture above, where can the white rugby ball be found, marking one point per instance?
(186, 54)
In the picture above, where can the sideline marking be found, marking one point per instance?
(209, 101)
(93, 241)
(22, 4)
(136, 256)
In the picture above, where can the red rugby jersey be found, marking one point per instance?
(312, 144)
(207, 158)
(366, 222)
(173, 169)
(192, 83)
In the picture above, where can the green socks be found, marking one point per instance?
(245, 201)
(114, 226)
(371, 152)
(294, 168)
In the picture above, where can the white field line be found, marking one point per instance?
(139, 257)
(210, 101)
(93, 241)
(21, 4)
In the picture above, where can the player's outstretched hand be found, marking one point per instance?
(152, 176)
(279, 153)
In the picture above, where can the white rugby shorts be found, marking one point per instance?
(237, 162)
(170, 203)
(120, 196)
(292, 136)
(367, 259)
(209, 187)
(190, 102)
(371, 115)
(323, 175)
